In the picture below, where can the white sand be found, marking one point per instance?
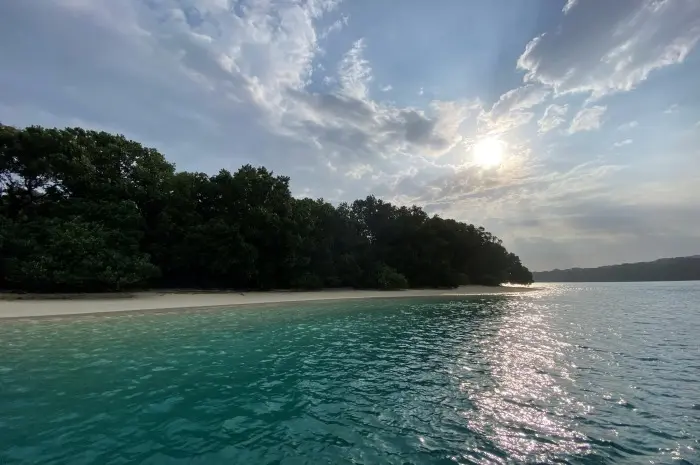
(37, 307)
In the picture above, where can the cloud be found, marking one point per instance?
(386, 88)
(588, 119)
(569, 5)
(209, 80)
(359, 171)
(622, 143)
(504, 124)
(359, 131)
(354, 72)
(520, 203)
(517, 186)
(671, 109)
(356, 129)
(582, 220)
(336, 26)
(606, 47)
(513, 108)
(521, 98)
(553, 117)
(619, 232)
(628, 126)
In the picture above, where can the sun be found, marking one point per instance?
(489, 152)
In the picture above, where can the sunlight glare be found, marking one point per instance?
(489, 152)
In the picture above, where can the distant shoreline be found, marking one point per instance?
(37, 305)
(663, 269)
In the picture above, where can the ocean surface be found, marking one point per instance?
(572, 373)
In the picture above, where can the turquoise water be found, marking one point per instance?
(570, 374)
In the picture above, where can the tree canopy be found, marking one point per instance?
(90, 211)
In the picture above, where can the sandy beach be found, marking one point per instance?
(144, 301)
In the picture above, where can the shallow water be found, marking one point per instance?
(586, 373)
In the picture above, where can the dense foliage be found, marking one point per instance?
(90, 211)
(665, 269)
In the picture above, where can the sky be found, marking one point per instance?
(568, 128)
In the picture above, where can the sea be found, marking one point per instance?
(566, 374)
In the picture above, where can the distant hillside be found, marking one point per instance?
(665, 269)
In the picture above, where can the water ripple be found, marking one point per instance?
(570, 374)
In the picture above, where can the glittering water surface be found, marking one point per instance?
(597, 373)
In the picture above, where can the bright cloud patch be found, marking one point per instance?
(609, 49)
(552, 118)
(588, 119)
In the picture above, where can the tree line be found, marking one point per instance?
(664, 269)
(91, 211)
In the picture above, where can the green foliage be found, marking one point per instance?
(388, 278)
(52, 254)
(91, 211)
(308, 281)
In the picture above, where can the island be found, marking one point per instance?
(665, 269)
(86, 211)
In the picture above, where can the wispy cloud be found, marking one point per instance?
(628, 41)
(354, 72)
(622, 143)
(629, 125)
(336, 26)
(553, 117)
(587, 119)
(569, 5)
(513, 109)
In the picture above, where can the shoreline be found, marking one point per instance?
(84, 304)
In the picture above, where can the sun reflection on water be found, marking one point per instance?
(562, 374)
(526, 408)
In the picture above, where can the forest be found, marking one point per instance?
(87, 211)
(665, 269)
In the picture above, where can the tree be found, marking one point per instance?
(389, 278)
(72, 254)
(91, 211)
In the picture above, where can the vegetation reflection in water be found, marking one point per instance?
(487, 380)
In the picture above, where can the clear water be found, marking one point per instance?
(570, 374)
